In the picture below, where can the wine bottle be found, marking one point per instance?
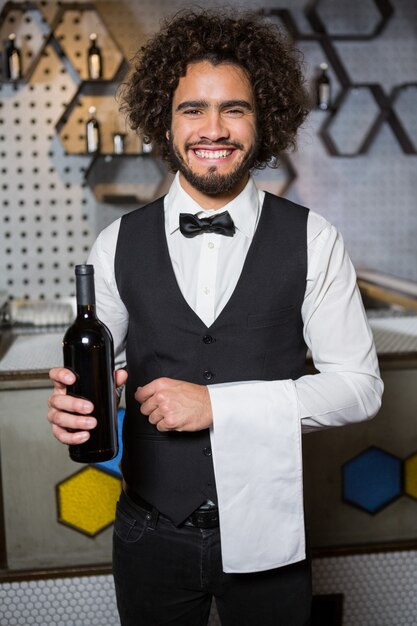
(323, 89)
(147, 146)
(95, 61)
(92, 132)
(88, 352)
(119, 143)
(13, 60)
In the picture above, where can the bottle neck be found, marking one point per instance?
(86, 311)
(86, 299)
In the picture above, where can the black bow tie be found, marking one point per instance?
(191, 225)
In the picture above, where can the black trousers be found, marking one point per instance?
(166, 575)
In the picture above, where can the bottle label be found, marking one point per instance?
(324, 96)
(118, 144)
(94, 66)
(147, 148)
(14, 66)
(92, 138)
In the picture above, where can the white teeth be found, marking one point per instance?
(213, 154)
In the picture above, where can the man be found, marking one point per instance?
(215, 318)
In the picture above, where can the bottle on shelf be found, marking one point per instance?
(92, 132)
(88, 352)
(147, 146)
(12, 59)
(94, 59)
(323, 89)
(119, 143)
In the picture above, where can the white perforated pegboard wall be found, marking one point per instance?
(46, 213)
(50, 216)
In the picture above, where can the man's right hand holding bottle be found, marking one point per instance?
(68, 413)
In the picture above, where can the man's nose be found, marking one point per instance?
(214, 127)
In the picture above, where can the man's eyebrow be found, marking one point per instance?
(192, 104)
(243, 104)
(202, 104)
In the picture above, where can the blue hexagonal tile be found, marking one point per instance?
(112, 466)
(372, 480)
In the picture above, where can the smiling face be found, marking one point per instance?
(213, 137)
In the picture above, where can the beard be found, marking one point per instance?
(213, 183)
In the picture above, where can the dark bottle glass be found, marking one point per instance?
(13, 60)
(88, 352)
(323, 89)
(95, 61)
(92, 132)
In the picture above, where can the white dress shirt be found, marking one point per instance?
(256, 432)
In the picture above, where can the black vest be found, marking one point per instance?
(257, 336)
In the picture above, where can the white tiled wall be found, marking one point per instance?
(379, 590)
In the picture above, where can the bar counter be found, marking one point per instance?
(26, 356)
(33, 463)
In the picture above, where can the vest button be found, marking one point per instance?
(207, 451)
(208, 375)
(208, 339)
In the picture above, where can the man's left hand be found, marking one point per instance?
(175, 405)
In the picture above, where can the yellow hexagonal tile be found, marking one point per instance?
(87, 500)
(410, 476)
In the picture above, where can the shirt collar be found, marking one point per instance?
(244, 209)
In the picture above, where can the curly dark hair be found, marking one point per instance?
(268, 57)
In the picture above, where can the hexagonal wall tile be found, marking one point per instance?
(410, 476)
(341, 133)
(87, 500)
(126, 178)
(71, 127)
(72, 29)
(372, 480)
(31, 30)
(404, 99)
(330, 17)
